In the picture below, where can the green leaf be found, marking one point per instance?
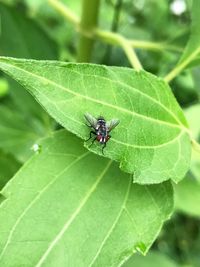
(152, 259)
(69, 207)
(3, 87)
(18, 133)
(8, 167)
(151, 140)
(187, 196)
(23, 120)
(195, 165)
(192, 49)
(29, 42)
(29, 39)
(192, 114)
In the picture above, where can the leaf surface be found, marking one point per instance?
(152, 138)
(63, 216)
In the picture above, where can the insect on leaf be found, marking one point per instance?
(152, 139)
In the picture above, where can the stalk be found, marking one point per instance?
(88, 23)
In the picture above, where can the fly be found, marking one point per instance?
(100, 128)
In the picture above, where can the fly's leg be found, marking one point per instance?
(92, 141)
(109, 136)
(92, 132)
(103, 148)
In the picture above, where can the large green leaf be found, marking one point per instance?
(69, 207)
(151, 140)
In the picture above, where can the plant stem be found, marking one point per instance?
(88, 23)
(88, 31)
(65, 12)
(130, 53)
(181, 66)
(114, 28)
(117, 39)
(148, 45)
(115, 21)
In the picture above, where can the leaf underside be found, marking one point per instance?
(67, 217)
(151, 141)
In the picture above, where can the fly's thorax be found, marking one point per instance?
(101, 121)
(102, 130)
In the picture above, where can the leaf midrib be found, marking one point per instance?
(117, 141)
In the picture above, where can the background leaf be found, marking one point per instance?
(18, 133)
(30, 40)
(23, 120)
(187, 196)
(8, 167)
(152, 259)
(3, 87)
(67, 217)
(192, 48)
(192, 115)
(187, 192)
(151, 140)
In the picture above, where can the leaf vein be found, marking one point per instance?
(73, 216)
(113, 225)
(34, 201)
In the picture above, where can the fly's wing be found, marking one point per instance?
(112, 124)
(92, 121)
